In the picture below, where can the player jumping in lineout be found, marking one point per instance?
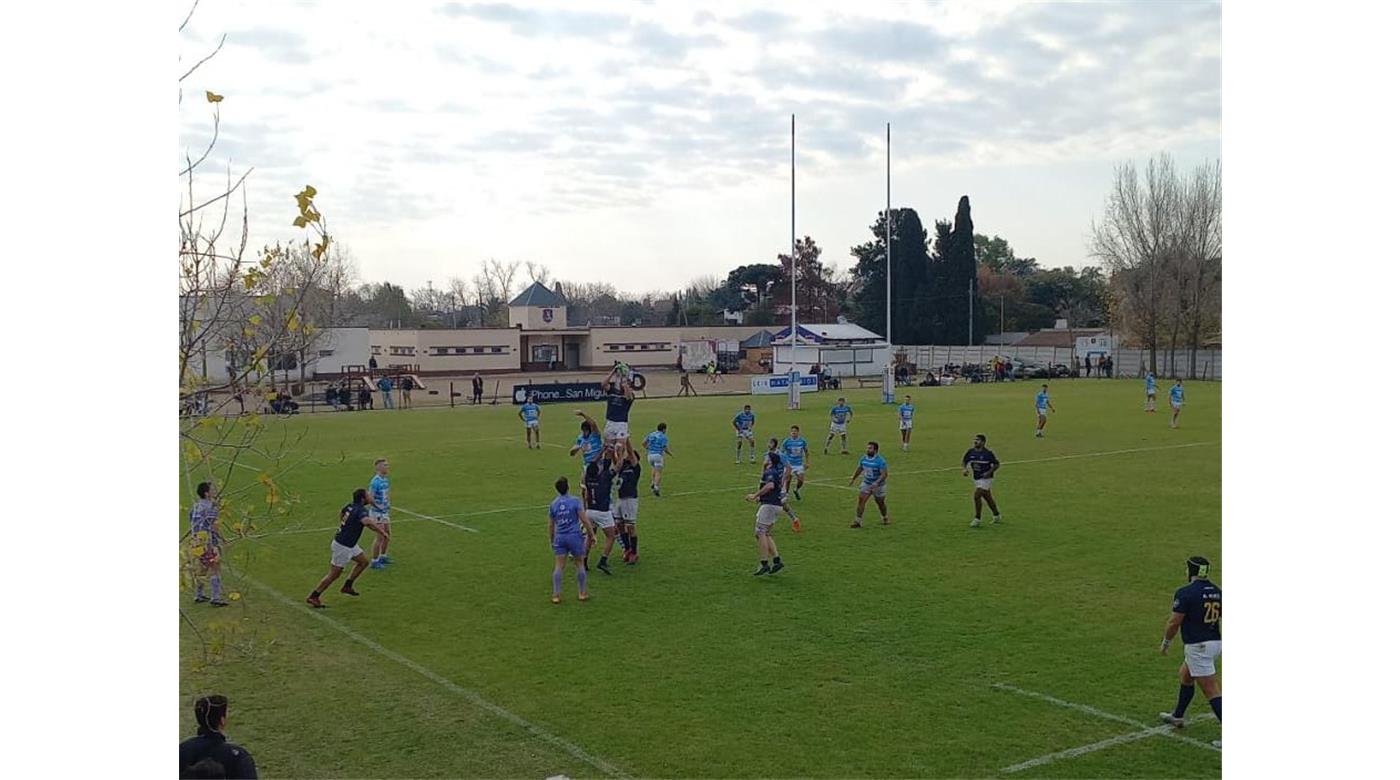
(617, 389)
(743, 431)
(530, 415)
(795, 456)
(1196, 614)
(787, 508)
(906, 421)
(983, 464)
(1042, 403)
(658, 446)
(877, 472)
(840, 413)
(769, 500)
(1177, 397)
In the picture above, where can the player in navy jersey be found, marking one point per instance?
(769, 500)
(1196, 614)
(617, 391)
(876, 472)
(1177, 396)
(743, 431)
(206, 541)
(345, 547)
(983, 464)
(567, 523)
(1042, 404)
(598, 497)
(787, 508)
(795, 456)
(840, 414)
(629, 472)
(530, 415)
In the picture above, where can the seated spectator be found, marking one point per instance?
(210, 745)
(929, 381)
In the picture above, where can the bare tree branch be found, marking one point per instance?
(207, 57)
(188, 16)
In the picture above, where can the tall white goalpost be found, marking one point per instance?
(794, 377)
(888, 394)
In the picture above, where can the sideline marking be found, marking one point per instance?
(1098, 713)
(1101, 745)
(438, 520)
(466, 693)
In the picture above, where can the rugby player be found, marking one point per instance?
(629, 472)
(345, 547)
(769, 499)
(1177, 398)
(530, 415)
(795, 456)
(598, 495)
(618, 393)
(658, 446)
(876, 473)
(1042, 403)
(743, 431)
(567, 521)
(589, 443)
(787, 508)
(906, 421)
(379, 512)
(984, 464)
(204, 534)
(1196, 614)
(840, 413)
(1151, 405)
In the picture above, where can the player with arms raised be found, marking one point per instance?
(983, 464)
(1196, 614)
(617, 391)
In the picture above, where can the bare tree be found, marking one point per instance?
(1135, 239)
(1200, 250)
(538, 272)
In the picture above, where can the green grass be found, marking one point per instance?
(874, 654)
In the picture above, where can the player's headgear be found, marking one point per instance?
(1197, 566)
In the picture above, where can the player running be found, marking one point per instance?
(619, 395)
(769, 499)
(795, 455)
(787, 508)
(743, 432)
(205, 536)
(1177, 398)
(658, 446)
(877, 472)
(1151, 405)
(906, 421)
(530, 415)
(629, 472)
(379, 512)
(1196, 613)
(589, 443)
(567, 521)
(345, 547)
(984, 464)
(598, 494)
(840, 413)
(1042, 403)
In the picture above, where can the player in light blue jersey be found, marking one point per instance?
(379, 513)
(530, 415)
(1042, 404)
(589, 443)
(906, 421)
(1151, 405)
(876, 472)
(1178, 397)
(658, 446)
(795, 456)
(743, 431)
(840, 413)
(205, 540)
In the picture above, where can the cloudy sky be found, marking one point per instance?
(647, 143)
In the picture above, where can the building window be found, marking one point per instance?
(460, 350)
(478, 350)
(401, 351)
(376, 350)
(497, 350)
(325, 352)
(630, 347)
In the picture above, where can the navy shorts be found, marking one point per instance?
(569, 544)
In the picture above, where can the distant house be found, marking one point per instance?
(844, 347)
(1057, 337)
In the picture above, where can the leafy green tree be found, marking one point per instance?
(911, 320)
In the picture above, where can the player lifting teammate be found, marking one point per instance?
(598, 495)
(629, 472)
(877, 472)
(984, 464)
(1196, 614)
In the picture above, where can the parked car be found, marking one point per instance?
(1032, 371)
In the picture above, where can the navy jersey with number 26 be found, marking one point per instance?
(1200, 603)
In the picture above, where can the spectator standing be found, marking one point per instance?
(210, 744)
(386, 389)
(478, 387)
(1108, 367)
(406, 391)
(1088, 366)
(373, 364)
(366, 397)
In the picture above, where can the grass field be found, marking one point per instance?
(922, 649)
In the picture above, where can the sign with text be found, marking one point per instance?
(777, 384)
(559, 392)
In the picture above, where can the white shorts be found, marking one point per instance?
(532, 423)
(342, 555)
(906, 425)
(746, 434)
(625, 509)
(838, 428)
(877, 491)
(614, 430)
(379, 517)
(982, 484)
(1176, 406)
(601, 519)
(798, 471)
(1200, 658)
(766, 517)
(1039, 413)
(656, 459)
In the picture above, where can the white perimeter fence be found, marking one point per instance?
(1127, 362)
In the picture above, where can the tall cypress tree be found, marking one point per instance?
(911, 275)
(962, 269)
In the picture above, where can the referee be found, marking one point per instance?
(1196, 614)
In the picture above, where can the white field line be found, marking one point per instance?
(439, 520)
(1102, 744)
(466, 693)
(1098, 713)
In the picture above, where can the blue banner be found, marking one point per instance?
(559, 392)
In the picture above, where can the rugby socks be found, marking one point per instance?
(583, 582)
(558, 581)
(1215, 705)
(633, 542)
(1183, 700)
(199, 590)
(315, 594)
(216, 587)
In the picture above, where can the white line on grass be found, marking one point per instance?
(1098, 713)
(1102, 744)
(466, 693)
(439, 520)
